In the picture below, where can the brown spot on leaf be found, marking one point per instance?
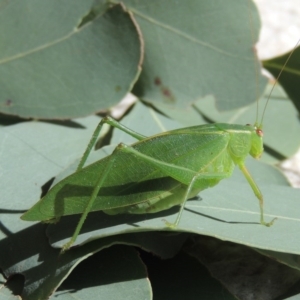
(166, 92)
(157, 81)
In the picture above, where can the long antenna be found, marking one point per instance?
(276, 81)
(256, 69)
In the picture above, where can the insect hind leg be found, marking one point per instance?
(114, 123)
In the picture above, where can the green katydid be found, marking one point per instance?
(153, 174)
(161, 171)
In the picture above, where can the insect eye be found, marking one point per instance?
(259, 132)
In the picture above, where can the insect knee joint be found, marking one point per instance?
(121, 146)
(106, 119)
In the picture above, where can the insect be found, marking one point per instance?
(197, 158)
(153, 174)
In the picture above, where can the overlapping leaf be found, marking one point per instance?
(52, 68)
(196, 49)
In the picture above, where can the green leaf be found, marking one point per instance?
(51, 68)
(196, 49)
(289, 78)
(113, 273)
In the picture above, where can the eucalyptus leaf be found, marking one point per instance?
(110, 274)
(52, 68)
(196, 49)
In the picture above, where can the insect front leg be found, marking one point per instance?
(257, 193)
(112, 122)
